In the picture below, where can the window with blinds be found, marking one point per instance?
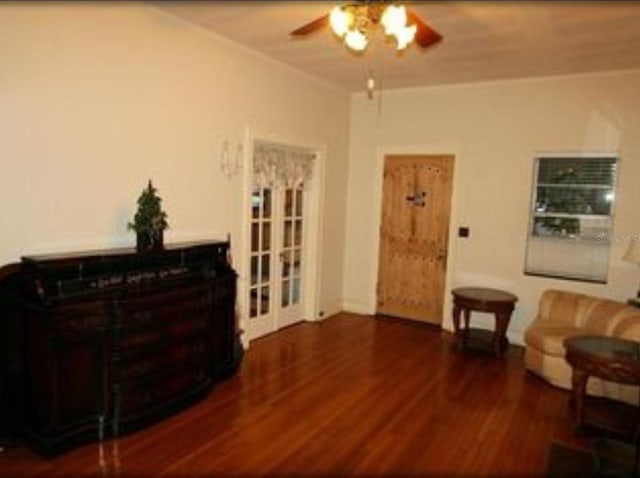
(571, 217)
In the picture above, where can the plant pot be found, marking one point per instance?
(149, 241)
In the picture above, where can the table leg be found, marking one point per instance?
(500, 340)
(456, 324)
(578, 390)
(467, 316)
(636, 444)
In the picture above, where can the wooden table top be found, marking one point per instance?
(610, 349)
(483, 295)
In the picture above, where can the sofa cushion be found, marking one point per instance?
(603, 316)
(561, 307)
(549, 338)
(628, 327)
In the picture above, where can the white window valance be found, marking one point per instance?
(281, 166)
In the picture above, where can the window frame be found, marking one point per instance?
(599, 239)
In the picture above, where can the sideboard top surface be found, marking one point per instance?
(77, 274)
(119, 251)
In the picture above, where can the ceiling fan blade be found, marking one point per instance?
(425, 35)
(311, 27)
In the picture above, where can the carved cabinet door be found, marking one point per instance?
(67, 353)
(414, 236)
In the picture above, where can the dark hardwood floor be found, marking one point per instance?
(350, 396)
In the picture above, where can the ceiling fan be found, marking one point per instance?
(356, 20)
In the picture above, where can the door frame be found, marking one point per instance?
(312, 237)
(374, 253)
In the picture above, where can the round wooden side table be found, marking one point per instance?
(612, 359)
(482, 299)
(609, 358)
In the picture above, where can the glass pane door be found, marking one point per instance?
(260, 286)
(276, 259)
(291, 255)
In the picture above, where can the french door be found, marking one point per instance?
(276, 259)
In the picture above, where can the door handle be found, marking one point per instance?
(418, 199)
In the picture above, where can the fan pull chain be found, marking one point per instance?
(371, 85)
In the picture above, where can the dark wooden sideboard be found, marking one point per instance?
(113, 340)
(9, 352)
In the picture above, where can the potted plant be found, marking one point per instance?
(150, 220)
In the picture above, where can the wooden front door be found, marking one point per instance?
(414, 236)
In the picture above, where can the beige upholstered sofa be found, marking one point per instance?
(566, 314)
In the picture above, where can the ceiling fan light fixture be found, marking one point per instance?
(356, 40)
(405, 35)
(354, 22)
(340, 20)
(393, 19)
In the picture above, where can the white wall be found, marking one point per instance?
(494, 130)
(95, 99)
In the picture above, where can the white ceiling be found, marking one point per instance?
(483, 41)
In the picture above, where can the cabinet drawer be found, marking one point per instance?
(75, 317)
(152, 309)
(154, 360)
(168, 331)
(156, 316)
(141, 397)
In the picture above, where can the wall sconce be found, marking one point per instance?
(229, 166)
(633, 255)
